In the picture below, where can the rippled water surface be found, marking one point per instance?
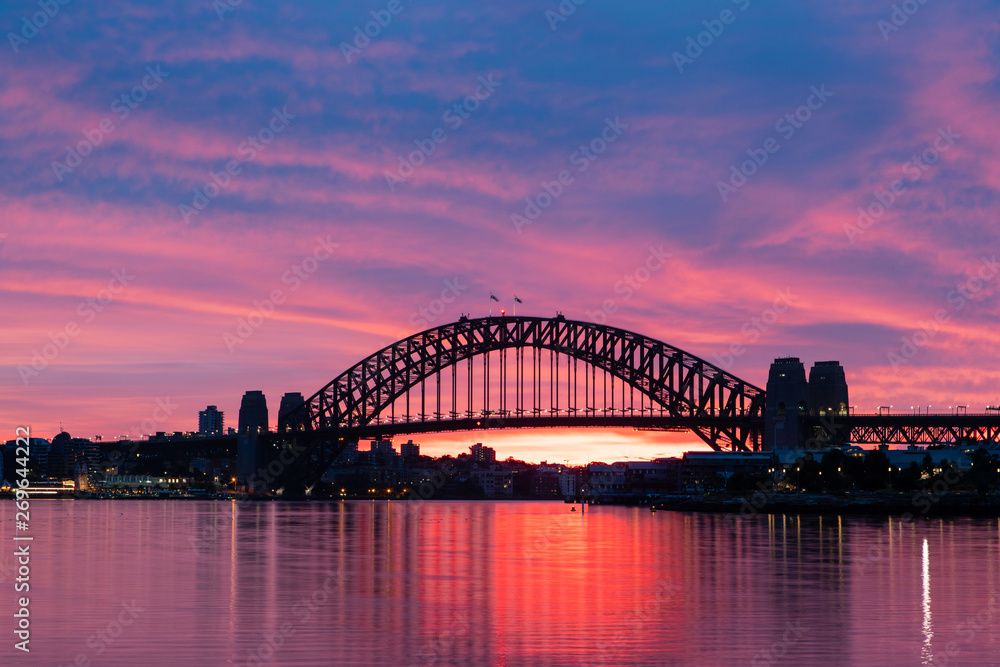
(496, 583)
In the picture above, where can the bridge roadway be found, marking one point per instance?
(639, 422)
(902, 429)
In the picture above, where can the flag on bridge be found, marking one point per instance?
(516, 300)
(493, 297)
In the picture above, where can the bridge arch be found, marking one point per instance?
(688, 392)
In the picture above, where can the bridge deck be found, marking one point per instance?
(903, 429)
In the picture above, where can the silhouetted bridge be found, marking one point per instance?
(904, 429)
(530, 372)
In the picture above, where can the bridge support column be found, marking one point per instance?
(249, 461)
(249, 443)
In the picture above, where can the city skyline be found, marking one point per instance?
(261, 207)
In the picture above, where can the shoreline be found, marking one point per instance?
(912, 504)
(925, 504)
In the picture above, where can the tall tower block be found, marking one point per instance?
(787, 400)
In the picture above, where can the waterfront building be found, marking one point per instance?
(958, 457)
(495, 484)
(701, 471)
(409, 450)
(652, 478)
(569, 483)
(483, 455)
(606, 482)
(210, 421)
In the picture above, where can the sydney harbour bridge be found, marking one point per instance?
(508, 372)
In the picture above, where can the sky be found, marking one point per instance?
(197, 199)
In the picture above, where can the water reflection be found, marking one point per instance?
(459, 583)
(926, 652)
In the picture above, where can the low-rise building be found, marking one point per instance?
(495, 483)
(957, 456)
(701, 471)
(606, 482)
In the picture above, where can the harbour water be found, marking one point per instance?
(496, 583)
